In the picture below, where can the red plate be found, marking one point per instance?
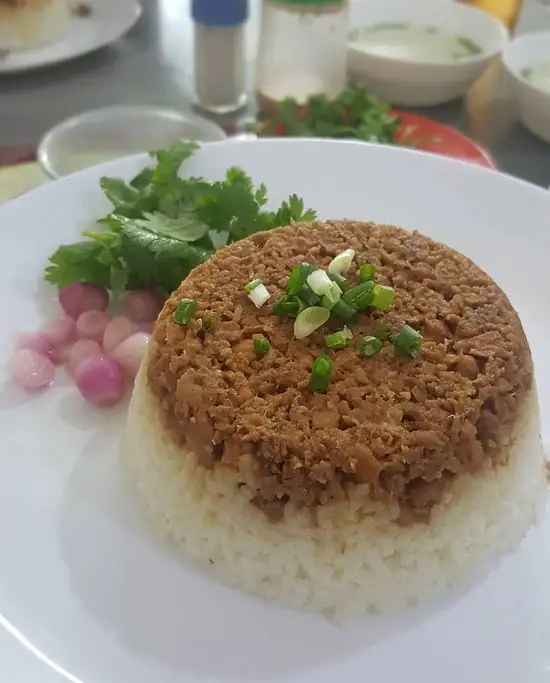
(431, 136)
(426, 134)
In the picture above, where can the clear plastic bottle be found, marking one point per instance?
(220, 54)
(303, 50)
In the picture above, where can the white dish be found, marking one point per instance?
(107, 22)
(105, 134)
(409, 82)
(533, 103)
(81, 577)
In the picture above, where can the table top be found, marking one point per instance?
(153, 65)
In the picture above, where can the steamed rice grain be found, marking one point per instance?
(355, 558)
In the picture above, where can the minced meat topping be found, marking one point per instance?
(405, 426)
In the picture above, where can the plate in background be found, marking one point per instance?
(432, 136)
(108, 21)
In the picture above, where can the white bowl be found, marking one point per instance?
(105, 134)
(533, 103)
(403, 81)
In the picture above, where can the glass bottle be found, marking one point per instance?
(303, 50)
(220, 54)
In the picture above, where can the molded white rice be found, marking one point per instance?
(357, 559)
(34, 24)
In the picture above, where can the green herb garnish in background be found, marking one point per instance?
(355, 114)
(527, 73)
(162, 226)
(469, 46)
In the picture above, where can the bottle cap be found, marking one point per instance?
(219, 12)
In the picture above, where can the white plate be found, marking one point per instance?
(90, 588)
(109, 21)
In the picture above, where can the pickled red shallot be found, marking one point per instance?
(31, 371)
(79, 297)
(100, 380)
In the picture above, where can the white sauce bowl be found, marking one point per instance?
(409, 82)
(105, 134)
(533, 103)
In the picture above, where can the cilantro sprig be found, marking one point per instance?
(162, 226)
(355, 114)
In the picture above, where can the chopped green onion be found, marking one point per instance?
(261, 345)
(369, 346)
(343, 311)
(383, 297)
(321, 373)
(319, 282)
(408, 341)
(259, 295)
(338, 340)
(367, 272)
(185, 310)
(332, 297)
(310, 320)
(288, 305)
(382, 331)
(308, 296)
(298, 277)
(251, 286)
(340, 280)
(360, 296)
(341, 264)
(293, 285)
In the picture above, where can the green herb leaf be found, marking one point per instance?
(143, 179)
(294, 211)
(162, 260)
(162, 225)
(187, 227)
(169, 161)
(80, 262)
(122, 196)
(355, 114)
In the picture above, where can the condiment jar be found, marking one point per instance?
(220, 54)
(303, 50)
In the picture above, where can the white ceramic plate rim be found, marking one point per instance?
(110, 20)
(481, 196)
